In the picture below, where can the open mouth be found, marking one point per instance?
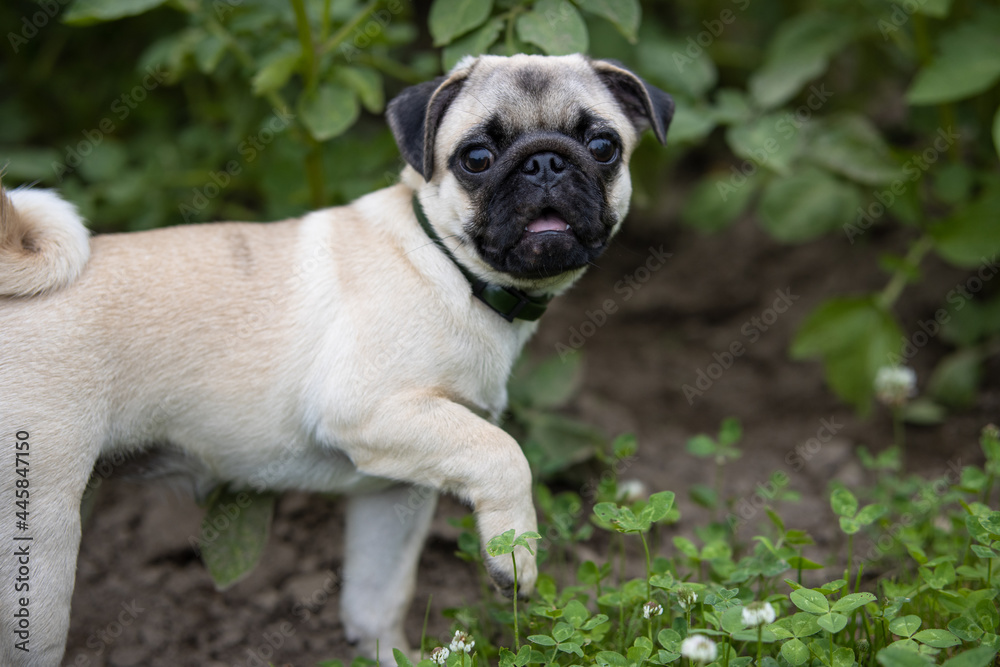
(548, 222)
(548, 245)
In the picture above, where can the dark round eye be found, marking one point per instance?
(477, 159)
(603, 150)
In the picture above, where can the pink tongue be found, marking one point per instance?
(548, 224)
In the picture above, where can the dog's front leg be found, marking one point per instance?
(431, 441)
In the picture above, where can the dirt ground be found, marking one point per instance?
(144, 598)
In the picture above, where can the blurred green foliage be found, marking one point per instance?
(816, 117)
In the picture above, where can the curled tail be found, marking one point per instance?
(43, 243)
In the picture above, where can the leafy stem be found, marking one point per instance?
(216, 28)
(511, 19)
(314, 172)
(345, 30)
(324, 26)
(311, 73)
(894, 288)
(517, 637)
(850, 562)
(649, 571)
(717, 509)
(505, 543)
(898, 432)
(391, 67)
(314, 158)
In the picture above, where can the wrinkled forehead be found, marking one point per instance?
(510, 96)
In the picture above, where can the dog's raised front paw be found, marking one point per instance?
(501, 571)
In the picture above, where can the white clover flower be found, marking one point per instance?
(631, 490)
(462, 642)
(699, 648)
(894, 385)
(758, 613)
(440, 654)
(942, 523)
(651, 609)
(686, 598)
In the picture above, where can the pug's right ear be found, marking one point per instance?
(414, 116)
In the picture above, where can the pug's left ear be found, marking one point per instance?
(646, 106)
(414, 116)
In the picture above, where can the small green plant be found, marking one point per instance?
(720, 450)
(708, 605)
(852, 520)
(505, 544)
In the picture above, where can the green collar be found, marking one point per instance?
(508, 302)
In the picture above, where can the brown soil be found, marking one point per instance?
(136, 552)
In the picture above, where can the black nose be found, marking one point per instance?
(543, 168)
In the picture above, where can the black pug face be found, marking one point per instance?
(541, 197)
(523, 161)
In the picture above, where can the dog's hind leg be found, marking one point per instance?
(385, 534)
(42, 477)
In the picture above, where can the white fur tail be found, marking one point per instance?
(43, 243)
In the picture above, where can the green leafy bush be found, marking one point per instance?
(831, 117)
(822, 157)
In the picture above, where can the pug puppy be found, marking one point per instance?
(362, 350)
